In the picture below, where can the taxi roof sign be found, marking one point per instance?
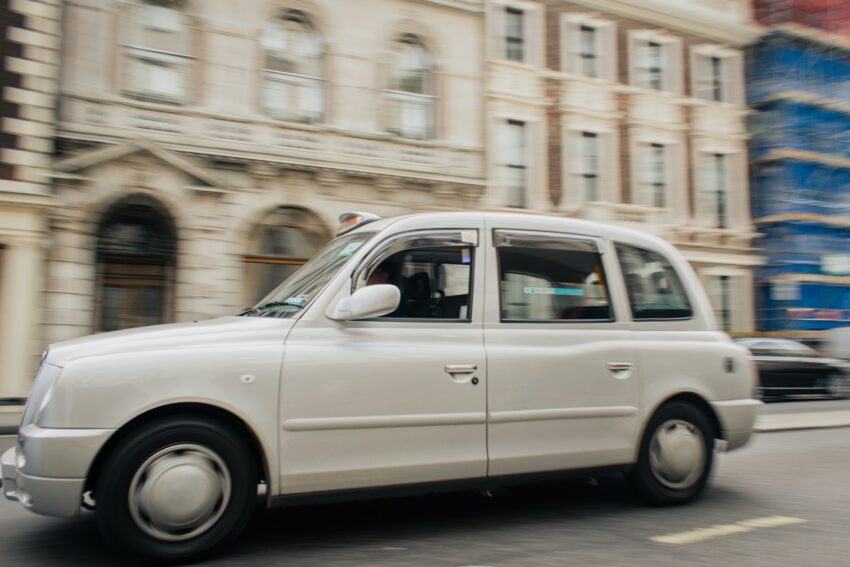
(350, 220)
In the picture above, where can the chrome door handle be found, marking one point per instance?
(461, 368)
(620, 370)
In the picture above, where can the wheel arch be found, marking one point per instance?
(182, 409)
(691, 398)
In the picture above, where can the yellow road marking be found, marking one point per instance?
(700, 534)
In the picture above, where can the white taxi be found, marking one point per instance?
(417, 353)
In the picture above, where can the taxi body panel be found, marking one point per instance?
(347, 405)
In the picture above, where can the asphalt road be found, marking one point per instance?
(783, 500)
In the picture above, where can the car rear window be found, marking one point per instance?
(654, 288)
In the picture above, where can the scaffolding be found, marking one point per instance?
(799, 84)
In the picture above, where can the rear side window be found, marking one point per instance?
(654, 288)
(545, 277)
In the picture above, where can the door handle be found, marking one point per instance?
(461, 368)
(620, 370)
(463, 373)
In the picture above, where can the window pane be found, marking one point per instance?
(550, 282)
(514, 35)
(434, 282)
(654, 288)
(589, 56)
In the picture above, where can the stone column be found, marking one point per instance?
(21, 312)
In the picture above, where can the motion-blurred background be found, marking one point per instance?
(171, 160)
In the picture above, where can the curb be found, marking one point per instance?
(800, 421)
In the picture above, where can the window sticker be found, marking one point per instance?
(297, 301)
(466, 257)
(552, 291)
(349, 249)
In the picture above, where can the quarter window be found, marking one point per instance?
(546, 277)
(654, 289)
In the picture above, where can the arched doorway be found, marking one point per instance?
(136, 251)
(283, 241)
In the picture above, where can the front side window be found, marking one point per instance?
(653, 286)
(432, 272)
(293, 87)
(410, 93)
(157, 53)
(514, 35)
(545, 277)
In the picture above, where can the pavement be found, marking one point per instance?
(779, 416)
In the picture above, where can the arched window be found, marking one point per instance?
(136, 246)
(293, 87)
(284, 240)
(157, 52)
(410, 92)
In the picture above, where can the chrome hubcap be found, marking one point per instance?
(677, 454)
(179, 492)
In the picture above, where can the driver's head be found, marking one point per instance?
(378, 276)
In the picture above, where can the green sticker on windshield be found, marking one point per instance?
(350, 249)
(552, 291)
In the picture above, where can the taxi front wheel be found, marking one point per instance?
(675, 456)
(176, 489)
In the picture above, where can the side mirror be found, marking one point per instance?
(366, 302)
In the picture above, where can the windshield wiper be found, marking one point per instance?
(271, 305)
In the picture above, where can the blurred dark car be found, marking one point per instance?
(789, 368)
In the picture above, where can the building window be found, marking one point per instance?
(652, 175)
(514, 163)
(136, 250)
(293, 87)
(656, 62)
(590, 46)
(588, 53)
(716, 74)
(585, 166)
(284, 241)
(157, 54)
(515, 35)
(410, 94)
(714, 196)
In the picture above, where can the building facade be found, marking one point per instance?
(645, 125)
(799, 88)
(203, 150)
(29, 57)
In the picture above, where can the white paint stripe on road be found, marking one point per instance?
(701, 534)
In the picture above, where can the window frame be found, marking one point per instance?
(513, 11)
(671, 72)
(615, 245)
(654, 149)
(468, 237)
(395, 97)
(499, 234)
(727, 76)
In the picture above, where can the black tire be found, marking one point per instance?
(837, 386)
(203, 444)
(690, 423)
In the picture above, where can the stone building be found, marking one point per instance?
(634, 113)
(203, 150)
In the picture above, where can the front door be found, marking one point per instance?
(397, 399)
(563, 386)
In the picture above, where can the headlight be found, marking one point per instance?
(42, 387)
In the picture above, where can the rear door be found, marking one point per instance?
(563, 385)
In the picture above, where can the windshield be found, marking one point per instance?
(298, 290)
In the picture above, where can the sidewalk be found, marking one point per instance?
(10, 418)
(9, 421)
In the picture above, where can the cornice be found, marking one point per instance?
(683, 16)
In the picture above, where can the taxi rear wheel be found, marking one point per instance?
(676, 456)
(176, 489)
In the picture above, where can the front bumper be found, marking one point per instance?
(47, 470)
(737, 418)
